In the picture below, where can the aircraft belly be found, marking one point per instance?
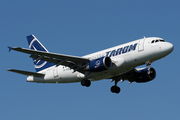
(69, 77)
(61, 76)
(95, 76)
(66, 77)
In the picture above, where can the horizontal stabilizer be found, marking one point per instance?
(27, 73)
(10, 48)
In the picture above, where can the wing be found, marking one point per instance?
(73, 62)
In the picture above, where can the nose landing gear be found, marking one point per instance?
(115, 89)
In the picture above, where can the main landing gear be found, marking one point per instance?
(85, 82)
(115, 88)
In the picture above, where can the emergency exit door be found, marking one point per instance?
(55, 72)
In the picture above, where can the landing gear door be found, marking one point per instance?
(141, 45)
(55, 72)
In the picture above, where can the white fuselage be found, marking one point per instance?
(124, 57)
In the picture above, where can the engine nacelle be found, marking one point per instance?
(99, 64)
(144, 75)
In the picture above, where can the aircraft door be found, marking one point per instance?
(141, 45)
(55, 72)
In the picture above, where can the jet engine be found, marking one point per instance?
(99, 64)
(143, 75)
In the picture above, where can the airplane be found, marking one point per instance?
(117, 63)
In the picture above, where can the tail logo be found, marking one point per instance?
(35, 45)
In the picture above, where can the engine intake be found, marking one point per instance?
(99, 64)
(144, 75)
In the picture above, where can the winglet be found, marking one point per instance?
(10, 48)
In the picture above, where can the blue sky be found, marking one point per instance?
(79, 28)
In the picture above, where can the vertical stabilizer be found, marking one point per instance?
(34, 44)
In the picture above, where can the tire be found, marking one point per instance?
(83, 82)
(86, 83)
(115, 89)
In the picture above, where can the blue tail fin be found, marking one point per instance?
(36, 45)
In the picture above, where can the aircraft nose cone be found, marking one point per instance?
(169, 47)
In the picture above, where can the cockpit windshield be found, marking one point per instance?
(158, 40)
(162, 40)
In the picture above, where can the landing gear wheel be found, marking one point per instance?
(115, 89)
(86, 83)
(83, 82)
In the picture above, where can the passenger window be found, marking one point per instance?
(157, 40)
(152, 41)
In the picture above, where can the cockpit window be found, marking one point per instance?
(152, 41)
(162, 40)
(157, 40)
